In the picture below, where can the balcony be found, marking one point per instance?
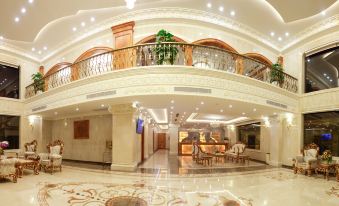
(165, 54)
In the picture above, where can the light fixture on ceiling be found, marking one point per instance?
(74, 28)
(102, 105)
(221, 8)
(45, 48)
(232, 13)
(172, 101)
(272, 33)
(323, 13)
(55, 113)
(254, 110)
(197, 108)
(130, 3)
(209, 5)
(83, 24)
(308, 60)
(274, 113)
(39, 52)
(172, 107)
(243, 113)
(77, 109)
(287, 34)
(16, 19)
(23, 10)
(221, 110)
(33, 49)
(279, 38)
(92, 19)
(230, 106)
(202, 103)
(1, 37)
(30, 1)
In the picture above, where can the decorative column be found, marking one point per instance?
(123, 37)
(174, 138)
(276, 141)
(125, 140)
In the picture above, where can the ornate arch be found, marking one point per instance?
(151, 39)
(259, 57)
(216, 43)
(57, 67)
(92, 52)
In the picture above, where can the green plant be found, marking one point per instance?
(277, 74)
(327, 156)
(38, 82)
(165, 53)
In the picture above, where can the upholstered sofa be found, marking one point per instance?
(8, 169)
(307, 161)
(53, 159)
(236, 153)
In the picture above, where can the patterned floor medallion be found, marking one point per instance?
(126, 201)
(138, 194)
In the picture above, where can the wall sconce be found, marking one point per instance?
(289, 119)
(31, 120)
(267, 122)
(231, 127)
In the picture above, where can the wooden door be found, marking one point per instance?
(161, 141)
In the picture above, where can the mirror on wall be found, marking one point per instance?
(9, 130)
(321, 70)
(9, 81)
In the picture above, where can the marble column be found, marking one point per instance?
(276, 141)
(174, 138)
(125, 140)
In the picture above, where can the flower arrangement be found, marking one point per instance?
(327, 156)
(3, 145)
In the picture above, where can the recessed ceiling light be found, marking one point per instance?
(221, 110)
(74, 28)
(325, 74)
(279, 38)
(172, 101)
(23, 10)
(202, 103)
(39, 52)
(83, 24)
(102, 105)
(209, 5)
(287, 34)
(92, 19)
(16, 19)
(328, 77)
(275, 113)
(331, 80)
(63, 58)
(243, 113)
(55, 113)
(172, 107)
(230, 106)
(130, 4)
(272, 33)
(323, 13)
(33, 49)
(232, 13)
(30, 1)
(308, 60)
(197, 108)
(254, 109)
(77, 109)
(1, 37)
(221, 8)
(45, 47)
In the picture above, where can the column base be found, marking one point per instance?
(124, 167)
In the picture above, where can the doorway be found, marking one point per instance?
(161, 140)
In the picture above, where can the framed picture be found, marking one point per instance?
(81, 129)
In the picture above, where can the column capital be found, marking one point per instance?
(122, 109)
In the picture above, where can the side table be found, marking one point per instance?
(326, 168)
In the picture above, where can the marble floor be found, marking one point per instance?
(79, 186)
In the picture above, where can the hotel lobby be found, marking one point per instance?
(167, 102)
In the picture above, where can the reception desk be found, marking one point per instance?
(185, 149)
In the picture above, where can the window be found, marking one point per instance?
(9, 81)
(323, 130)
(321, 70)
(9, 130)
(249, 134)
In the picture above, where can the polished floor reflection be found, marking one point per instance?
(80, 186)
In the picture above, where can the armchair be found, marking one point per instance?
(8, 169)
(30, 149)
(237, 153)
(53, 159)
(308, 161)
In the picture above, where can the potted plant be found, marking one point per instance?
(38, 82)
(326, 157)
(277, 74)
(165, 53)
(3, 145)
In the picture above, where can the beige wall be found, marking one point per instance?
(84, 149)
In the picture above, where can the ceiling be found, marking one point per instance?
(47, 24)
(177, 109)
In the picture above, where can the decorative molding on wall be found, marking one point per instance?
(162, 80)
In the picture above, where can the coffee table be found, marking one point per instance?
(31, 164)
(325, 168)
(219, 156)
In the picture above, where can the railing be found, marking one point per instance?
(198, 56)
